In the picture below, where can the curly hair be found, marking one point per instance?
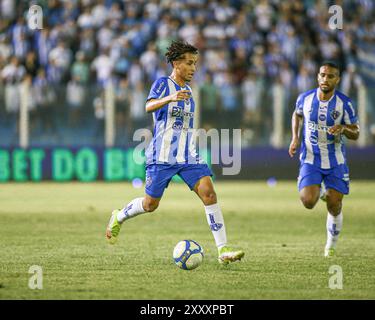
(177, 49)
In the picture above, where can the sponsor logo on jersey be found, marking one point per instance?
(317, 127)
(322, 117)
(335, 114)
(178, 125)
(180, 112)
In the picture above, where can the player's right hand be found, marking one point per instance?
(293, 147)
(180, 95)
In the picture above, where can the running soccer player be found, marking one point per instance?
(327, 115)
(172, 151)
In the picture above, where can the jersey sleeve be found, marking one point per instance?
(350, 114)
(158, 89)
(299, 105)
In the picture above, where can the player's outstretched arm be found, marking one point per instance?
(155, 104)
(296, 129)
(351, 131)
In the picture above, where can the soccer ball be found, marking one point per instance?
(188, 254)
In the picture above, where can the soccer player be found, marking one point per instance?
(327, 115)
(172, 151)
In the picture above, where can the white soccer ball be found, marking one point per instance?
(188, 254)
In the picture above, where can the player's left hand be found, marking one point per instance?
(336, 129)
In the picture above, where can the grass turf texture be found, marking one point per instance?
(61, 228)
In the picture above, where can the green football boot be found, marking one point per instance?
(113, 228)
(227, 254)
(329, 252)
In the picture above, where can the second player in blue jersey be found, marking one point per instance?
(322, 117)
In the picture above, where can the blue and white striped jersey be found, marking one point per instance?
(318, 147)
(173, 141)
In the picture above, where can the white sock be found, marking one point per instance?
(334, 226)
(133, 209)
(216, 222)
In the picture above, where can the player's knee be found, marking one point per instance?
(209, 197)
(150, 206)
(333, 205)
(308, 202)
(334, 208)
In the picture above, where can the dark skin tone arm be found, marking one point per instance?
(351, 131)
(296, 131)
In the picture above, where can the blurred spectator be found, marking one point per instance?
(305, 80)
(99, 111)
(125, 42)
(138, 117)
(86, 20)
(251, 89)
(209, 103)
(19, 38)
(7, 9)
(123, 96)
(5, 48)
(45, 99)
(135, 75)
(55, 74)
(80, 69)
(31, 102)
(99, 13)
(75, 97)
(44, 44)
(350, 81)
(12, 75)
(149, 59)
(230, 114)
(31, 64)
(189, 32)
(61, 57)
(103, 67)
(87, 43)
(264, 13)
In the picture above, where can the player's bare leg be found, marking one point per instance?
(334, 220)
(309, 196)
(150, 204)
(133, 209)
(205, 190)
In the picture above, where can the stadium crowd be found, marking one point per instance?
(246, 47)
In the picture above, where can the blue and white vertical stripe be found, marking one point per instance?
(318, 147)
(173, 140)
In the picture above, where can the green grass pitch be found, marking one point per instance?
(61, 227)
